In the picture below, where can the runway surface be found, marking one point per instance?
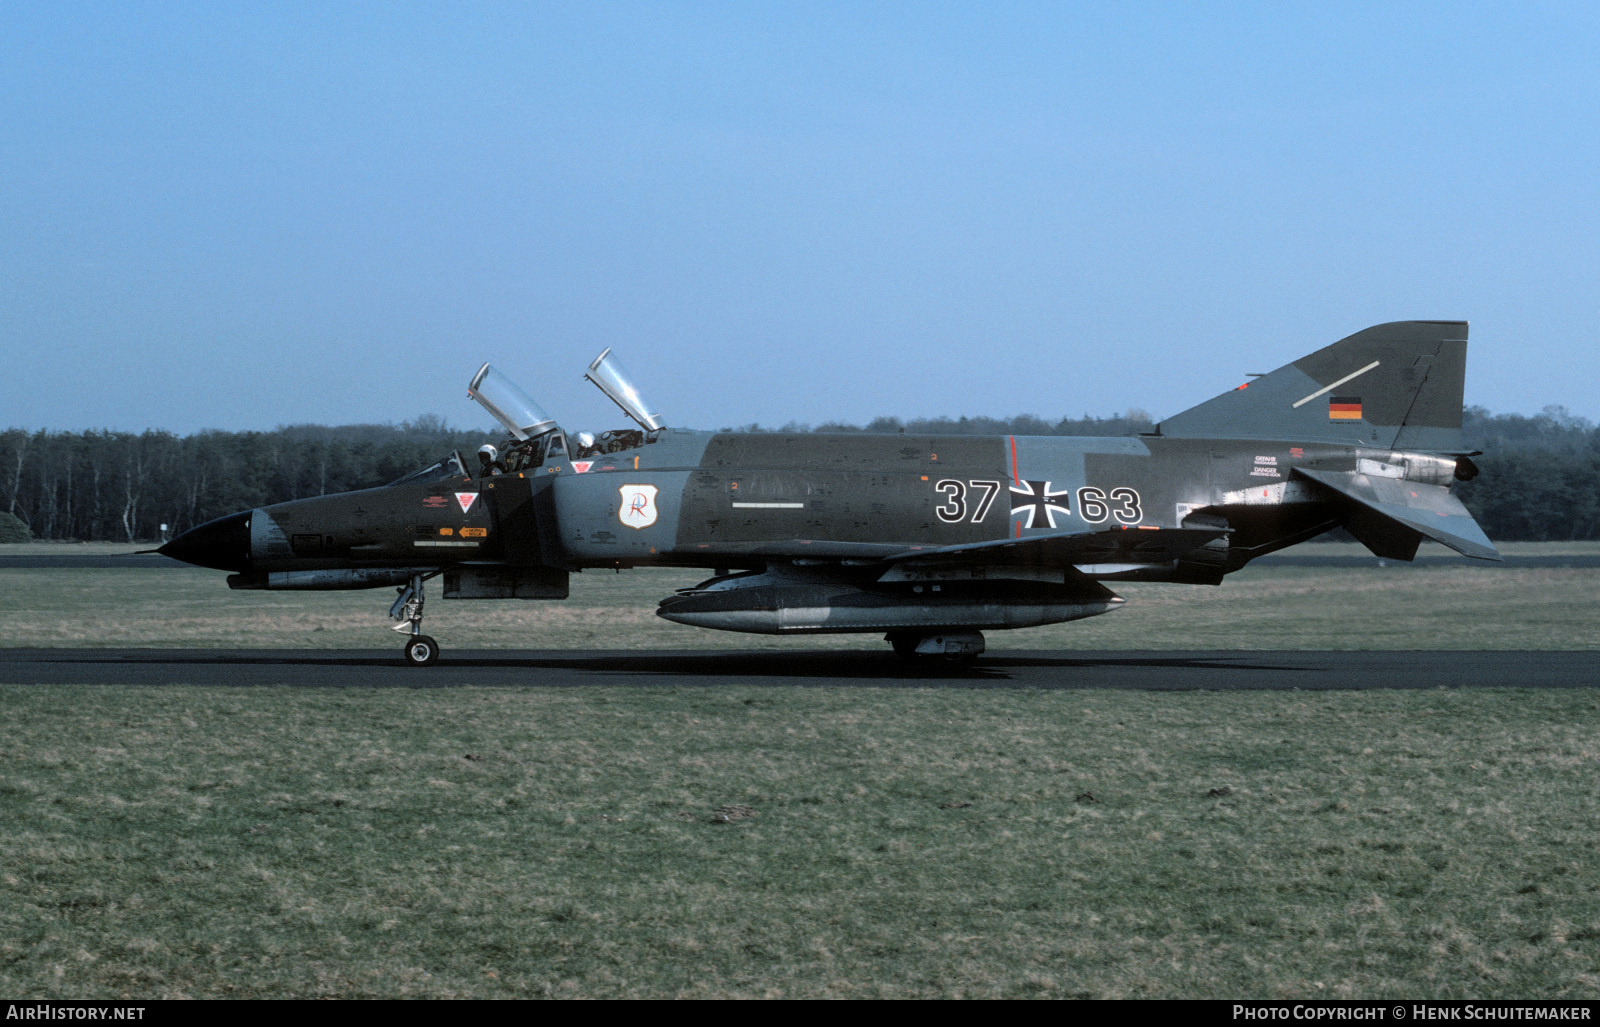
(1151, 670)
(1579, 560)
(149, 561)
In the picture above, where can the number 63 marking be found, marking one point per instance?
(1094, 505)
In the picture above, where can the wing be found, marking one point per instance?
(1084, 549)
(1107, 551)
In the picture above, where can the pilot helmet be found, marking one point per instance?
(488, 454)
(585, 440)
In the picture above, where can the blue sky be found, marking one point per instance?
(241, 215)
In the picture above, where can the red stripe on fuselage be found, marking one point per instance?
(1014, 476)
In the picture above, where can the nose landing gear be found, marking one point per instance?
(420, 650)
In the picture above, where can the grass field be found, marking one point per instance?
(280, 842)
(905, 842)
(1469, 607)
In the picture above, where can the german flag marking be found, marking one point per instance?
(1344, 408)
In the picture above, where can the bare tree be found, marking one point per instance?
(133, 491)
(20, 441)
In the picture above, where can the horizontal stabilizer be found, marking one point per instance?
(1429, 510)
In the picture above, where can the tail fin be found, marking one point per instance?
(1396, 385)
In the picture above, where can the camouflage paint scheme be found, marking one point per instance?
(822, 521)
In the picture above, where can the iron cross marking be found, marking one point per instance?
(1040, 501)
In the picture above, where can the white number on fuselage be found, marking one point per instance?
(954, 508)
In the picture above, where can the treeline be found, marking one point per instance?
(1540, 475)
(121, 486)
(1540, 479)
(1131, 423)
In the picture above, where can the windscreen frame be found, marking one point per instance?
(443, 466)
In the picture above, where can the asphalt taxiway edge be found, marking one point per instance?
(1174, 670)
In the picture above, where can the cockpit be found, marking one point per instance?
(515, 456)
(536, 440)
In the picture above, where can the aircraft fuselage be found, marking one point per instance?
(731, 500)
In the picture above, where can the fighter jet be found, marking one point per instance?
(930, 540)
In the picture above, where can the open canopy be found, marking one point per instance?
(607, 373)
(510, 406)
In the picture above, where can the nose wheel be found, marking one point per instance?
(420, 650)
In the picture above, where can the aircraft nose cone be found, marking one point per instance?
(223, 544)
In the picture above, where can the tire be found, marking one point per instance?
(421, 651)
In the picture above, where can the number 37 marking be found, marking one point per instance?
(954, 508)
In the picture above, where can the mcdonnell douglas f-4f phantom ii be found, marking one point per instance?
(928, 539)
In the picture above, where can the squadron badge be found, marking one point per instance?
(638, 508)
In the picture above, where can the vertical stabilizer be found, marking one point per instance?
(1396, 385)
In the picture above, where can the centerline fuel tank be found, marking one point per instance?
(793, 599)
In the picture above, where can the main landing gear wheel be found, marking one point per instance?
(958, 648)
(421, 651)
